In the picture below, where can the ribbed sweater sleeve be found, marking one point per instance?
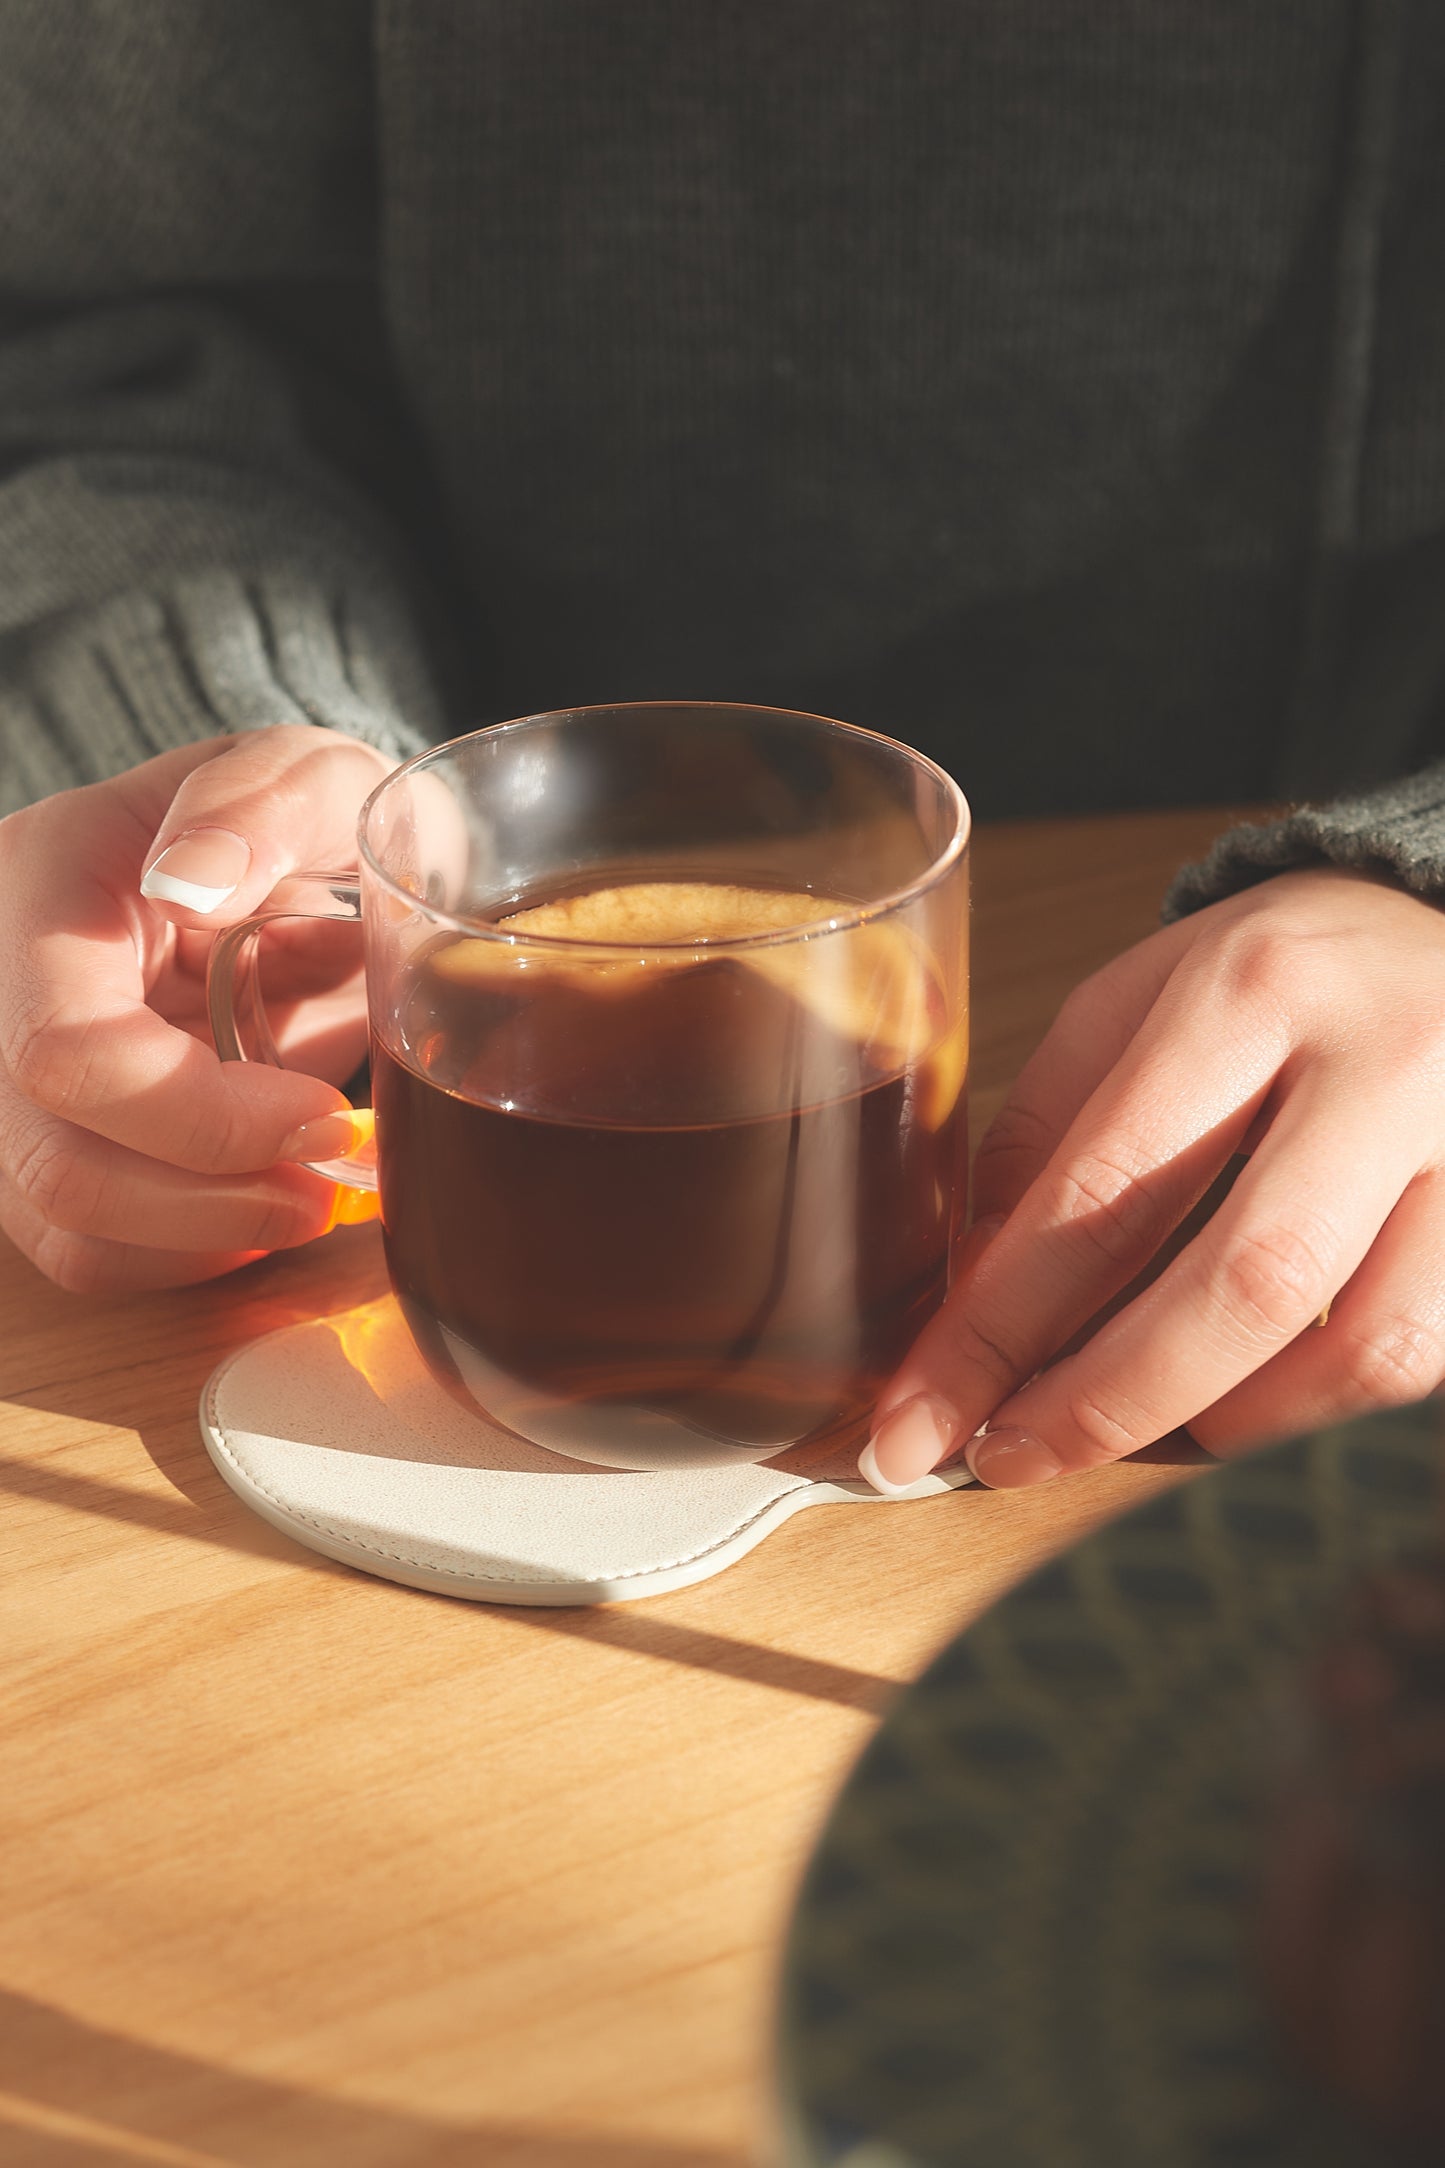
(1396, 831)
(176, 562)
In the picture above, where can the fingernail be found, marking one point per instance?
(331, 1136)
(907, 1444)
(1011, 1459)
(199, 870)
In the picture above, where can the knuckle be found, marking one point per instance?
(75, 1263)
(1105, 1433)
(1394, 1359)
(1015, 1133)
(31, 1058)
(204, 1140)
(1261, 955)
(1254, 967)
(978, 1345)
(1109, 1204)
(1418, 1041)
(1273, 1279)
(213, 1133)
(289, 752)
(290, 740)
(50, 1061)
(50, 1173)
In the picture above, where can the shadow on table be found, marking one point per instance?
(197, 1507)
(214, 1517)
(640, 1632)
(75, 2096)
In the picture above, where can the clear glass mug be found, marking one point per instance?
(668, 1008)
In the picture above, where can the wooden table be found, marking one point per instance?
(301, 1867)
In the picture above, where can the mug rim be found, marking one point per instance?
(861, 914)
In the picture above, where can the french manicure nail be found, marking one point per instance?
(331, 1136)
(1011, 1459)
(200, 869)
(908, 1443)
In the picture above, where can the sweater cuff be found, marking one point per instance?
(205, 656)
(1396, 832)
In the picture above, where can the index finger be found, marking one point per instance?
(80, 1041)
(1145, 1147)
(1089, 1036)
(1289, 1236)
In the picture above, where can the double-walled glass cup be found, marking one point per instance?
(669, 1027)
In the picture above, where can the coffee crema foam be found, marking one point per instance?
(673, 913)
(873, 982)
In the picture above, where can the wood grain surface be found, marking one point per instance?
(298, 1867)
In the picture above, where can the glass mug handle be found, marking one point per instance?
(233, 992)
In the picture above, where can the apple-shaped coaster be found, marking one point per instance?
(335, 1432)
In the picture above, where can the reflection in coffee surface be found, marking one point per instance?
(715, 1192)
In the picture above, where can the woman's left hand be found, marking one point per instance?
(1301, 1022)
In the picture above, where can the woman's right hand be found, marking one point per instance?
(130, 1155)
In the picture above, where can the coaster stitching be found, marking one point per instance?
(461, 1573)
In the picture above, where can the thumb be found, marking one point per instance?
(271, 803)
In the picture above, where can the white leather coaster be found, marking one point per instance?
(335, 1432)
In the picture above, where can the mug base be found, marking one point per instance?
(334, 1431)
(636, 1438)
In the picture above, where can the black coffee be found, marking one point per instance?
(705, 1189)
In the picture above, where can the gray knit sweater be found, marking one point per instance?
(1057, 389)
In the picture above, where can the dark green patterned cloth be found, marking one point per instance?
(1024, 1940)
